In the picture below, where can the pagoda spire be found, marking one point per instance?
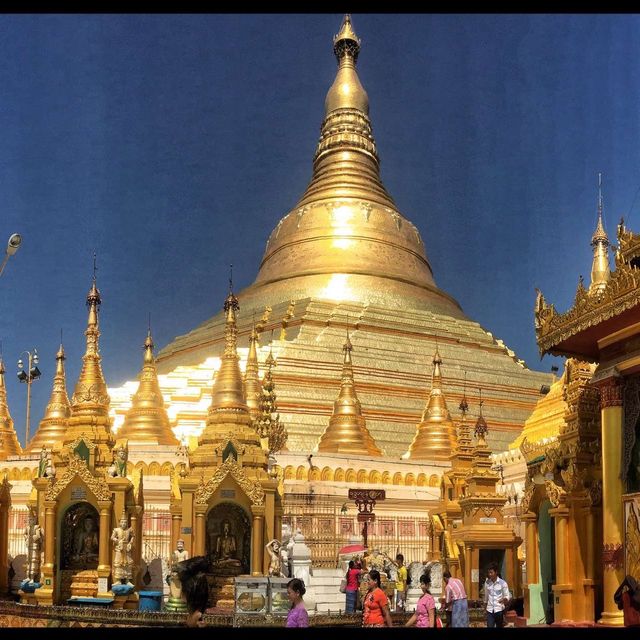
(228, 388)
(55, 422)
(252, 385)
(147, 420)
(228, 415)
(435, 437)
(9, 445)
(346, 157)
(90, 400)
(600, 270)
(347, 431)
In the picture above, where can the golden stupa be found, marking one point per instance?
(435, 437)
(147, 420)
(347, 431)
(346, 252)
(9, 445)
(55, 422)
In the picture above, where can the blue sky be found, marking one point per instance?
(173, 144)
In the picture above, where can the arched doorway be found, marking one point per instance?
(79, 543)
(228, 543)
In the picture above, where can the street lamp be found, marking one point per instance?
(15, 240)
(32, 373)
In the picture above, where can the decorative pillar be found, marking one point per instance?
(531, 522)
(44, 595)
(104, 549)
(257, 541)
(562, 588)
(136, 525)
(176, 524)
(199, 544)
(611, 394)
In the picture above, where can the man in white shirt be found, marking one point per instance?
(496, 597)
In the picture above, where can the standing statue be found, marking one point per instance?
(118, 468)
(122, 537)
(173, 579)
(33, 536)
(49, 470)
(275, 566)
(42, 465)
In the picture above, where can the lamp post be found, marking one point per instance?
(32, 373)
(15, 240)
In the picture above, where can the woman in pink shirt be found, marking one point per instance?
(352, 587)
(425, 614)
(297, 616)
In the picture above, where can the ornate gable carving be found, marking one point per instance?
(252, 489)
(78, 467)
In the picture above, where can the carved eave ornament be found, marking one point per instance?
(77, 467)
(253, 490)
(621, 294)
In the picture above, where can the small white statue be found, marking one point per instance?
(173, 580)
(275, 566)
(33, 536)
(118, 468)
(122, 537)
(49, 470)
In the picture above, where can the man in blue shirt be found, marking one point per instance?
(496, 597)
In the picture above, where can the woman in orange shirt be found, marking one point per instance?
(375, 604)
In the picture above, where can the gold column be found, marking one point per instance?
(176, 524)
(199, 546)
(612, 520)
(45, 593)
(257, 541)
(562, 588)
(589, 525)
(104, 560)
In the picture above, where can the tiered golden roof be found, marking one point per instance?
(229, 414)
(147, 420)
(55, 422)
(559, 333)
(9, 445)
(90, 400)
(252, 385)
(347, 431)
(435, 437)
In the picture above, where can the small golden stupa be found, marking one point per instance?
(9, 445)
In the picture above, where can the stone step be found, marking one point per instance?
(328, 572)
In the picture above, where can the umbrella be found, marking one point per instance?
(351, 548)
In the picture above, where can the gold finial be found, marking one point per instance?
(55, 422)
(600, 270)
(347, 430)
(481, 428)
(346, 42)
(9, 445)
(147, 420)
(435, 436)
(599, 235)
(252, 375)
(346, 92)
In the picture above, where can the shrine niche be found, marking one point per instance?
(80, 535)
(228, 539)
